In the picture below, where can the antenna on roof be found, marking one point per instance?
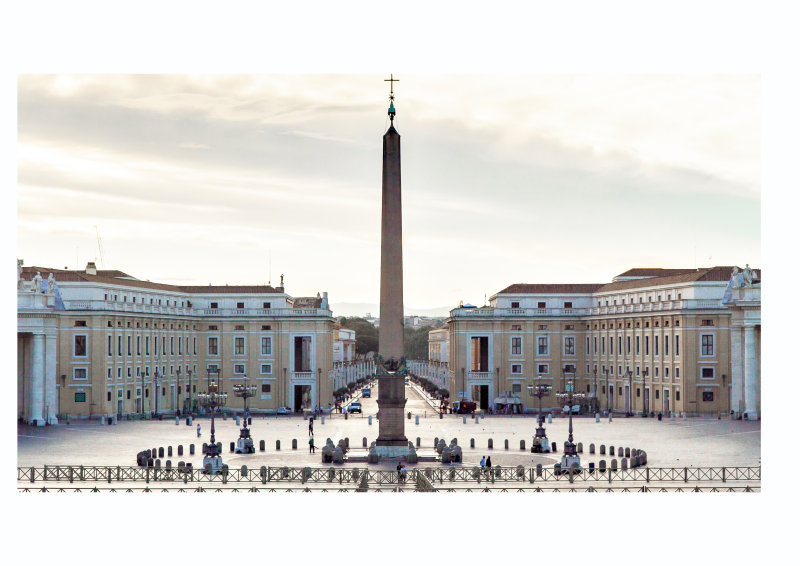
(100, 247)
(269, 281)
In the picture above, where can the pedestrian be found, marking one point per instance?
(198, 430)
(483, 462)
(310, 427)
(489, 462)
(311, 447)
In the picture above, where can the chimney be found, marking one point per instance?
(91, 268)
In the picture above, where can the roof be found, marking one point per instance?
(720, 273)
(110, 277)
(653, 272)
(550, 288)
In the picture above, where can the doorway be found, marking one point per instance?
(646, 401)
(119, 407)
(666, 401)
(302, 397)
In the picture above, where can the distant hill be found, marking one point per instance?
(361, 309)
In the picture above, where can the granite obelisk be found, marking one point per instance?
(391, 441)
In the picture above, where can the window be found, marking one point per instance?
(171, 345)
(594, 344)
(238, 346)
(603, 345)
(212, 326)
(655, 345)
(543, 368)
(80, 397)
(267, 305)
(567, 305)
(516, 346)
(707, 344)
(109, 373)
(266, 327)
(666, 372)
(542, 327)
(666, 344)
(707, 322)
(266, 346)
(677, 345)
(677, 373)
(164, 345)
(265, 388)
(213, 349)
(646, 345)
(180, 346)
(128, 392)
(79, 373)
(119, 373)
(194, 345)
(266, 369)
(138, 345)
(619, 370)
(569, 327)
(108, 395)
(214, 305)
(569, 368)
(238, 369)
(542, 345)
(80, 346)
(516, 388)
(516, 368)
(656, 371)
(708, 396)
(637, 371)
(129, 372)
(657, 389)
(638, 392)
(514, 304)
(611, 345)
(677, 395)
(540, 305)
(707, 373)
(239, 327)
(587, 344)
(110, 345)
(516, 327)
(628, 345)
(239, 305)
(155, 345)
(637, 345)
(569, 346)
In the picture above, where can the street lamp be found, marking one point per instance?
(596, 402)
(609, 394)
(570, 456)
(540, 443)
(155, 390)
(178, 401)
(645, 395)
(244, 445)
(211, 399)
(629, 409)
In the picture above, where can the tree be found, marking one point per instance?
(366, 334)
(415, 342)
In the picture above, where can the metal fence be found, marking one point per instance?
(416, 476)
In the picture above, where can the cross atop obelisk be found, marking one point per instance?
(391, 80)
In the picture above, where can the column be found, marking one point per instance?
(750, 370)
(737, 381)
(37, 381)
(50, 379)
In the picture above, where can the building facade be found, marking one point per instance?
(101, 343)
(652, 340)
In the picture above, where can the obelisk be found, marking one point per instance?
(391, 441)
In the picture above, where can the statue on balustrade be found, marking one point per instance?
(37, 283)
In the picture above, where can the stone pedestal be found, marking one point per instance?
(391, 404)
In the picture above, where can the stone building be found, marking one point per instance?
(652, 340)
(101, 342)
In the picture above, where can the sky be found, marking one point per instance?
(530, 178)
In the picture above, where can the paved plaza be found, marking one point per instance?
(694, 442)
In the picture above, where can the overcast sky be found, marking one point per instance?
(506, 179)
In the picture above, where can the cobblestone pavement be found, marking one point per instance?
(697, 442)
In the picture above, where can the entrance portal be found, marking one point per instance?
(302, 397)
(646, 400)
(480, 395)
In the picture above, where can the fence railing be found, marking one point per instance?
(416, 476)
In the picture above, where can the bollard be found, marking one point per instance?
(554, 447)
(506, 444)
(262, 446)
(620, 452)
(294, 444)
(369, 420)
(189, 421)
(627, 452)
(322, 418)
(610, 450)
(610, 417)
(161, 452)
(169, 450)
(158, 462)
(418, 442)
(177, 421)
(591, 467)
(463, 419)
(191, 449)
(597, 417)
(180, 449)
(522, 444)
(364, 442)
(416, 419)
(472, 443)
(602, 449)
(477, 420)
(591, 448)
(277, 445)
(233, 446)
(491, 444)
(613, 464)
(238, 422)
(549, 418)
(169, 465)
(243, 472)
(624, 463)
(602, 466)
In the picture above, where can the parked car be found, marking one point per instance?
(354, 407)
(284, 411)
(366, 392)
(464, 407)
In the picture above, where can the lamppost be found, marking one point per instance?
(540, 443)
(570, 456)
(609, 394)
(178, 401)
(596, 401)
(211, 399)
(244, 445)
(645, 395)
(141, 397)
(629, 375)
(189, 390)
(319, 384)
(155, 390)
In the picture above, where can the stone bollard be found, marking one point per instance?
(549, 418)
(557, 468)
(463, 419)
(418, 441)
(243, 472)
(602, 449)
(262, 445)
(624, 463)
(347, 442)
(602, 466)
(627, 452)
(491, 444)
(620, 452)
(506, 444)
(158, 462)
(610, 417)
(369, 420)
(591, 448)
(610, 450)
(169, 450)
(472, 443)
(613, 464)
(238, 421)
(233, 446)
(191, 449)
(554, 447)
(580, 447)
(294, 444)
(416, 419)
(483, 415)
(322, 418)
(435, 441)
(190, 421)
(597, 417)
(277, 445)
(180, 449)
(522, 444)
(161, 452)
(177, 421)
(364, 442)
(477, 419)
(169, 464)
(591, 467)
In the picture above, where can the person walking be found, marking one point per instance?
(483, 462)
(311, 426)
(198, 430)
(311, 447)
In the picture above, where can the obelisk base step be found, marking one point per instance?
(392, 452)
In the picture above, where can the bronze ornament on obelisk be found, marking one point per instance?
(391, 369)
